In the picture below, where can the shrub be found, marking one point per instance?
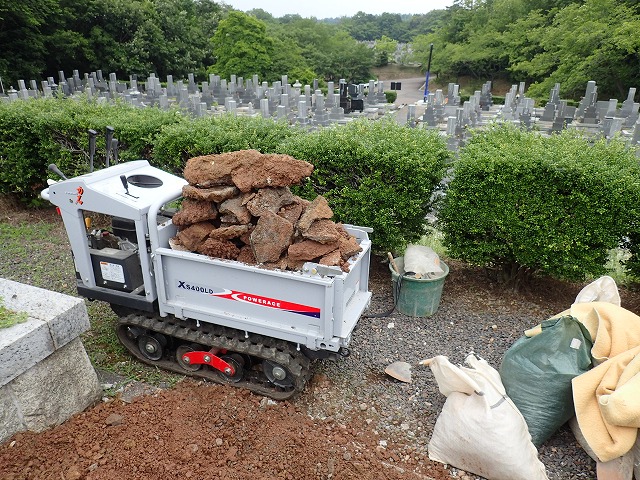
(391, 95)
(38, 132)
(203, 136)
(525, 203)
(374, 174)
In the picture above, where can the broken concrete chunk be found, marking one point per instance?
(333, 259)
(232, 231)
(292, 212)
(317, 209)
(271, 237)
(269, 200)
(323, 231)
(212, 194)
(349, 247)
(246, 169)
(246, 255)
(219, 249)
(192, 236)
(233, 206)
(194, 211)
(280, 264)
(309, 250)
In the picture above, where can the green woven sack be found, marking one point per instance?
(537, 372)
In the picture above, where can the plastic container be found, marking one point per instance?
(418, 297)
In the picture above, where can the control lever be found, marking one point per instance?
(114, 147)
(125, 184)
(92, 148)
(108, 138)
(54, 168)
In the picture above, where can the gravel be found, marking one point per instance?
(470, 318)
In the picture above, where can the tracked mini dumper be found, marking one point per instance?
(222, 320)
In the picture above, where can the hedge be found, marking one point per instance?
(38, 132)
(376, 174)
(522, 202)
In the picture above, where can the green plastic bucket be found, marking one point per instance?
(418, 297)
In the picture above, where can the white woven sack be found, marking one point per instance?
(604, 289)
(422, 260)
(480, 430)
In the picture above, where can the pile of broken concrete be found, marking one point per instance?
(238, 206)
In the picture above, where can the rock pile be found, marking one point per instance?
(238, 206)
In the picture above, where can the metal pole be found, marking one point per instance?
(426, 83)
(1, 85)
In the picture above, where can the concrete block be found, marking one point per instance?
(66, 315)
(61, 385)
(54, 320)
(45, 373)
(22, 346)
(10, 416)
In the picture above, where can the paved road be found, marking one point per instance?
(412, 91)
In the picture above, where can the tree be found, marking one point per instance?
(602, 46)
(26, 30)
(241, 47)
(385, 49)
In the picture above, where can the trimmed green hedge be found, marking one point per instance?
(390, 95)
(377, 174)
(36, 133)
(203, 136)
(527, 203)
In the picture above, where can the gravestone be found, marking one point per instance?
(411, 115)
(264, 108)
(588, 99)
(452, 94)
(486, 97)
(429, 116)
(550, 108)
(452, 140)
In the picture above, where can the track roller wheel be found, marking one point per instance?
(181, 350)
(237, 362)
(277, 374)
(151, 346)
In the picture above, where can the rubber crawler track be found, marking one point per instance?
(232, 340)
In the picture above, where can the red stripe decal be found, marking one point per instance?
(269, 302)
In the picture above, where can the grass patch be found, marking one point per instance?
(37, 253)
(434, 240)
(9, 318)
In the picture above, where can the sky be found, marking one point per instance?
(338, 8)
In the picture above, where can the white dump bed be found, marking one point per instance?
(317, 307)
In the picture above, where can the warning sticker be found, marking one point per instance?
(112, 272)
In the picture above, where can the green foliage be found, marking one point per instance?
(391, 95)
(525, 203)
(9, 318)
(325, 49)
(376, 174)
(42, 37)
(602, 46)
(39, 132)
(204, 136)
(241, 47)
(385, 49)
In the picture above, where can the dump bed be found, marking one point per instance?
(317, 307)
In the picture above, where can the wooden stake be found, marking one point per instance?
(393, 263)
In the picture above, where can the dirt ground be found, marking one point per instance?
(198, 430)
(206, 431)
